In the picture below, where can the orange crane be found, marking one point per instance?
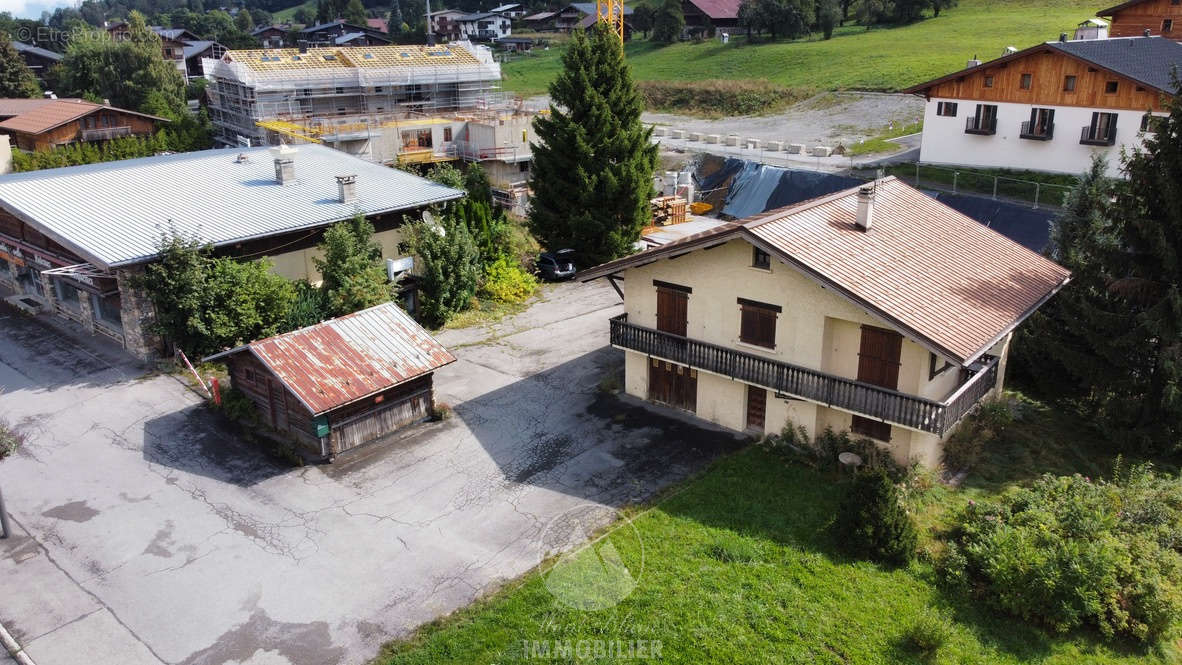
(611, 12)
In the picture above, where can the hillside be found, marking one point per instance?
(878, 59)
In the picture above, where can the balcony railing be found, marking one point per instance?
(985, 126)
(1037, 132)
(862, 398)
(1097, 136)
(105, 133)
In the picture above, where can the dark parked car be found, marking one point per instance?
(555, 266)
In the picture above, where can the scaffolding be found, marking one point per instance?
(282, 90)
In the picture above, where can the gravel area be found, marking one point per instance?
(828, 118)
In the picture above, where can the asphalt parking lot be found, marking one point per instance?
(146, 532)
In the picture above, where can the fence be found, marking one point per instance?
(1040, 194)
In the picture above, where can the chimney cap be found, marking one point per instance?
(1062, 36)
(345, 179)
(1146, 33)
(283, 151)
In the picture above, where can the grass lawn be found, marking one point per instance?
(739, 566)
(878, 59)
(288, 15)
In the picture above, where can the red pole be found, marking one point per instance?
(217, 390)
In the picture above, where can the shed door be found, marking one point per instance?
(672, 306)
(370, 425)
(673, 384)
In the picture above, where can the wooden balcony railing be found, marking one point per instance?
(862, 398)
(105, 133)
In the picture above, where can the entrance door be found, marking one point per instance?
(673, 384)
(756, 407)
(878, 364)
(672, 308)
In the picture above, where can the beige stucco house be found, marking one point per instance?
(877, 310)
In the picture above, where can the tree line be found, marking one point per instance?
(789, 19)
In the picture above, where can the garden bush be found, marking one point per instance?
(927, 634)
(506, 281)
(1070, 552)
(872, 522)
(968, 444)
(823, 450)
(10, 439)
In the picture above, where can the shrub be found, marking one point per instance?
(1069, 552)
(716, 98)
(872, 522)
(441, 411)
(968, 444)
(10, 439)
(507, 282)
(927, 634)
(450, 267)
(823, 450)
(238, 407)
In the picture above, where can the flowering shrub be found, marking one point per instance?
(1070, 551)
(505, 281)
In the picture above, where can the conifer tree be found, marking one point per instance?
(395, 21)
(16, 79)
(1147, 208)
(592, 175)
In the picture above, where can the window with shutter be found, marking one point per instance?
(758, 323)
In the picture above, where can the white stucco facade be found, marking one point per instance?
(946, 143)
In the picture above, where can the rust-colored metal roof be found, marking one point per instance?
(342, 360)
(10, 106)
(938, 276)
(39, 118)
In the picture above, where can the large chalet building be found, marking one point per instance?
(1134, 18)
(877, 310)
(1050, 107)
(73, 238)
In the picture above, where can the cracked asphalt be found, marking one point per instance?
(146, 532)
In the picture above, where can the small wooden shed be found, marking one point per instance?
(342, 383)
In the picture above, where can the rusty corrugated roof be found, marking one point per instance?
(342, 360)
(935, 274)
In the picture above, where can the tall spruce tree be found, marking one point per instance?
(1065, 349)
(1111, 341)
(1147, 208)
(16, 79)
(592, 176)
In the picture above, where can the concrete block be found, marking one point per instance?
(660, 131)
(822, 151)
(796, 148)
(753, 143)
(712, 138)
(775, 146)
(677, 133)
(695, 136)
(732, 140)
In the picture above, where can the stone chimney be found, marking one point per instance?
(865, 217)
(284, 163)
(347, 188)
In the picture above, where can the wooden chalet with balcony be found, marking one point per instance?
(44, 124)
(877, 310)
(1050, 107)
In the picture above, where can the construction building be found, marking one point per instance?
(393, 104)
